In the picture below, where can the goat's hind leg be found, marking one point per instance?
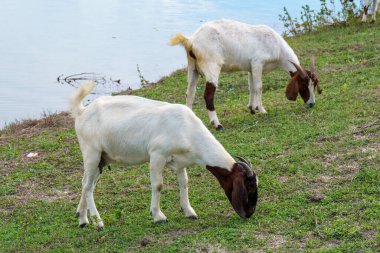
(82, 207)
(211, 73)
(255, 90)
(90, 178)
(375, 5)
(192, 79)
(184, 196)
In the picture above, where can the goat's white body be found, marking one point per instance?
(134, 130)
(237, 46)
(129, 129)
(227, 45)
(370, 3)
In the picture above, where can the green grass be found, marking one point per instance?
(330, 150)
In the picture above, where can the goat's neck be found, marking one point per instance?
(289, 56)
(213, 154)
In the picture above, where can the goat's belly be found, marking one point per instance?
(130, 156)
(230, 68)
(236, 67)
(269, 67)
(179, 161)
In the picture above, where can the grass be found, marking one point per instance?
(330, 151)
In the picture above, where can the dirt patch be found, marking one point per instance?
(274, 240)
(325, 178)
(369, 234)
(348, 170)
(32, 156)
(330, 158)
(135, 188)
(6, 166)
(332, 244)
(346, 67)
(282, 179)
(372, 147)
(329, 138)
(210, 248)
(32, 126)
(31, 189)
(176, 233)
(369, 131)
(302, 242)
(166, 239)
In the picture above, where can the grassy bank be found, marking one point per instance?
(330, 151)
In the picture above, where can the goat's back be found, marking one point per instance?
(233, 41)
(131, 126)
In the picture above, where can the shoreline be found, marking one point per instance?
(46, 120)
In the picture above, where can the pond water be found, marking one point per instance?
(44, 40)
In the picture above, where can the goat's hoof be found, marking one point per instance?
(83, 225)
(256, 109)
(219, 128)
(100, 228)
(192, 217)
(161, 221)
(251, 109)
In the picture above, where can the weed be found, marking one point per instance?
(143, 81)
(313, 19)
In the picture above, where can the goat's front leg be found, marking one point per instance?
(157, 164)
(91, 183)
(184, 195)
(255, 91)
(209, 99)
(90, 178)
(365, 12)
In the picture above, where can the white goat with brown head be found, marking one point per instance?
(367, 4)
(227, 45)
(134, 130)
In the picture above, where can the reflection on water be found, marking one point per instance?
(42, 40)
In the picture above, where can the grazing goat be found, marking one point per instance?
(366, 5)
(226, 45)
(133, 130)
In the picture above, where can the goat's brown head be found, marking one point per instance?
(303, 82)
(240, 185)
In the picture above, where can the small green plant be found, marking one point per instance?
(143, 81)
(311, 19)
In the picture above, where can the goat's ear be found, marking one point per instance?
(224, 179)
(292, 89)
(239, 196)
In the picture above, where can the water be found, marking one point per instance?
(41, 40)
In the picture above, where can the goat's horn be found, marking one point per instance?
(300, 70)
(312, 65)
(245, 162)
(319, 89)
(242, 159)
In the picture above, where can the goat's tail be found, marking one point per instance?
(180, 39)
(76, 106)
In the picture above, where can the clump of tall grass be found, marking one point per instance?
(311, 20)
